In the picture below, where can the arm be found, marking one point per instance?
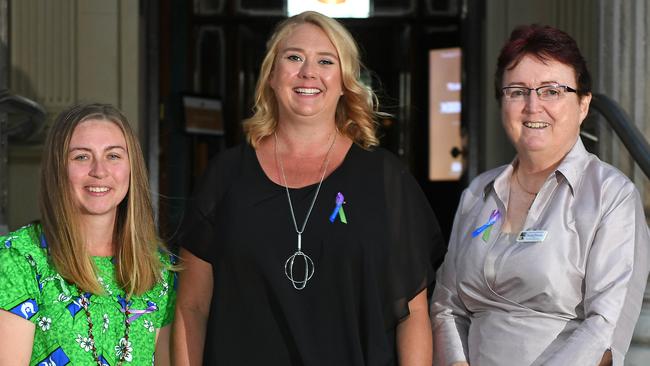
(191, 316)
(449, 317)
(615, 279)
(414, 333)
(162, 346)
(17, 336)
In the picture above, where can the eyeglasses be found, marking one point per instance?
(545, 92)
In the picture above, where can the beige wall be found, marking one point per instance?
(63, 52)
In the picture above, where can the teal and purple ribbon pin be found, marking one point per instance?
(338, 210)
(487, 227)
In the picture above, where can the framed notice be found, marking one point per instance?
(203, 115)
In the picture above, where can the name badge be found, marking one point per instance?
(531, 236)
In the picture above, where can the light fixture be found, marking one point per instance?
(331, 8)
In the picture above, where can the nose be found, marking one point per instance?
(98, 169)
(307, 70)
(532, 102)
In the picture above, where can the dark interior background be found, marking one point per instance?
(214, 50)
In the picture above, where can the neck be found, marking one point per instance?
(530, 175)
(301, 139)
(97, 232)
(531, 165)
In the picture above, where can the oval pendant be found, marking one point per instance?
(299, 282)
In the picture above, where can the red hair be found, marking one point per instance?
(546, 43)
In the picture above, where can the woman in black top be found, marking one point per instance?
(307, 245)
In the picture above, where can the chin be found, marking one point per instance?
(533, 144)
(98, 211)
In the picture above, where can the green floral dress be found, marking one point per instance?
(31, 288)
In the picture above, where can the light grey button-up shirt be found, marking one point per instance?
(564, 300)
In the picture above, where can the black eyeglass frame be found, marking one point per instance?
(537, 90)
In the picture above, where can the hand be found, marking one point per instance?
(607, 359)
(460, 364)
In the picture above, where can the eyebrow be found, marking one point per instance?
(518, 83)
(108, 148)
(321, 53)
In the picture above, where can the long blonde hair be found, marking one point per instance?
(137, 264)
(357, 109)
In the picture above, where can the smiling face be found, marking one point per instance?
(544, 128)
(306, 76)
(98, 167)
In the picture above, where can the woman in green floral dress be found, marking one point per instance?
(91, 284)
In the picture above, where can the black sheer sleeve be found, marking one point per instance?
(415, 244)
(198, 231)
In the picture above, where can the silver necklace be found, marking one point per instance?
(297, 282)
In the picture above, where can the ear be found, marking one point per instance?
(584, 106)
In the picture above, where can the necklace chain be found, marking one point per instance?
(127, 325)
(521, 186)
(299, 284)
(286, 186)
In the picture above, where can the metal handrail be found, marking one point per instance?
(627, 131)
(17, 105)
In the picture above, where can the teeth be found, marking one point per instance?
(98, 189)
(309, 91)
(531, 124)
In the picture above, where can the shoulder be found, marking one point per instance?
(603, 173)
(216, 179)
(600, 179)
(22, 262)
(28, 241)
(165, 286)
(478, 185)
(382, 157)
(587, 174)
(162, 296)
(234, 153)
(226, 160)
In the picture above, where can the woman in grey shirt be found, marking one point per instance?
(548, 257)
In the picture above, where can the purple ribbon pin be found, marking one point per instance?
(138, 313)
(338, 210)
(487, 227)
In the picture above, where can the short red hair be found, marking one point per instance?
(545, 43)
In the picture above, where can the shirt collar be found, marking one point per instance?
(574, 164)
(570, 168)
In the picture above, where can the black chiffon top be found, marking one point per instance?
(365, 270)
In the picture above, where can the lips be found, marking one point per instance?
(307, 91)
(537, 125)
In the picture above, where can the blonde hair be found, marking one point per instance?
(137, 263)
(357, 109)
